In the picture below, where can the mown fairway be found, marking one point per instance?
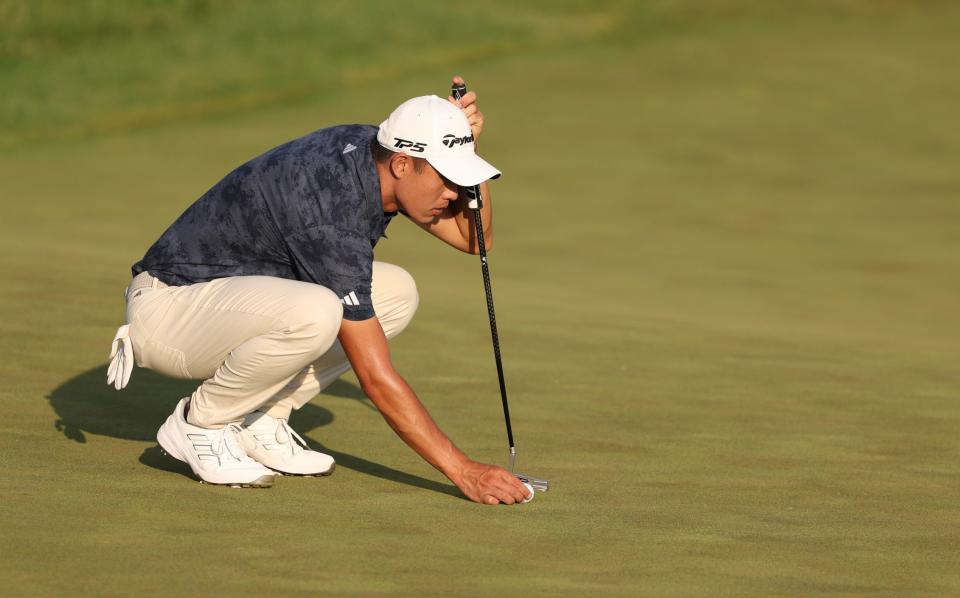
(727, 278)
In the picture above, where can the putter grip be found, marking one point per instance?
(475, 203)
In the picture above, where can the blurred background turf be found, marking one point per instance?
(83, 68)
(726, 273)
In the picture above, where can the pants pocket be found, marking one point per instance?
(163, 360)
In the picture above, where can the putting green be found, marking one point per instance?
(726, 278)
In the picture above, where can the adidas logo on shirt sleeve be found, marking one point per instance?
(350, 299)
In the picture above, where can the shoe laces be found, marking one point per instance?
(227, 441)
(291, 434)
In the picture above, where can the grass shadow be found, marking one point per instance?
(85, 405)
(155, 457)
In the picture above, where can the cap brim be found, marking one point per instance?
(465, 169)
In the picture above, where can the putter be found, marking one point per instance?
(475, 203)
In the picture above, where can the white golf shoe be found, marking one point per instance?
(272, 442)
(215, 456)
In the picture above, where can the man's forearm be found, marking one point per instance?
(366, 347)
(407, 416)
(466, 224)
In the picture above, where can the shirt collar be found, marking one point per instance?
(370, 187)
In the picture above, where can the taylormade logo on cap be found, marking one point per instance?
(434, 129)
(452, 140)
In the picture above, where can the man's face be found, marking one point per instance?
(424, 195)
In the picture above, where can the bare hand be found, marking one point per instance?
(468, 103)
(490, 485)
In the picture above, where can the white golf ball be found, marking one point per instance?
(530, 489)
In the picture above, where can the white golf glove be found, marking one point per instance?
(121, 358)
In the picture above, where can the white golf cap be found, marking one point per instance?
(434, 129)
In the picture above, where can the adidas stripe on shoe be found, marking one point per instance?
(215, 456)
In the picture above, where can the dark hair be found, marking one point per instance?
(382, 155)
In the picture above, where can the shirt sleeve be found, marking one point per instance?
(340, 260)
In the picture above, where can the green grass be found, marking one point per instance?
(88, 68)
(725, 273)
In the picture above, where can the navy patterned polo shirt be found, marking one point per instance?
(307, 210)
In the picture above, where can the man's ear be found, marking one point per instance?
(400, 164)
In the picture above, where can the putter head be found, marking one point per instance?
(535, 483)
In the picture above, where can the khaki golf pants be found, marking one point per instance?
(257, 342)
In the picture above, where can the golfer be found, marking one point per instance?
(266, 289)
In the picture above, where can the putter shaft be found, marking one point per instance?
(458, 91)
